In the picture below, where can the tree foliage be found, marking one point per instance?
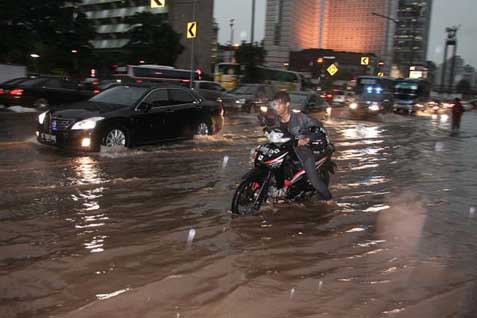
(49, 28)
(153, 40)
(249, 56)
(464, 87)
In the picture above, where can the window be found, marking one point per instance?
(179, 96)
(53, 83)
(158, 98)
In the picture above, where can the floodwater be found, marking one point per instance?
(146, 232)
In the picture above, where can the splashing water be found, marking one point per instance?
(190, 237)
(292, 293)
(439, 146)
(471, 212)
(225, 162)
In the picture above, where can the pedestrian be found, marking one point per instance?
(457, 111)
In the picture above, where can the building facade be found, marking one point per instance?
(341, 25)
(112, 21)
(411, 39)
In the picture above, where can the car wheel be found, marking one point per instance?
(116, 136)
(40, 103)
(203, 128)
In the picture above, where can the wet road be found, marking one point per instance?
(146, 232)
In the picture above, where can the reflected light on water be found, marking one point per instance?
(90, 217)
(361, 132)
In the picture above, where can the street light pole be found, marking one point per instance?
(388, 51)
(252, 31)
(192, 73)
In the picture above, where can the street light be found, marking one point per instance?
(395, 21)
(34, 55)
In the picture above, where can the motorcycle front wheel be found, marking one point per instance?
(249, 196)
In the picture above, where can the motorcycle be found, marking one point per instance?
(278, 174)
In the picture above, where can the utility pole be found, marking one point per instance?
(192, 72)
(252, 31)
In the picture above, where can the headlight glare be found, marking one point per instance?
(85, 124)
(263, 109)
(374, 108)
(353, 105)
(240, 101)
(41, 117)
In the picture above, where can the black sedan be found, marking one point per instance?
(41, 92)
(130, 115)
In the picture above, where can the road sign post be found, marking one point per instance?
(365, 60)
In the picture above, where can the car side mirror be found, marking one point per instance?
(145, 107)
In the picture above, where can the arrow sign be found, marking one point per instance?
(192, 30)
(158, 4)
(364, 60)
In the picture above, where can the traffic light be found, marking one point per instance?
(319, 60)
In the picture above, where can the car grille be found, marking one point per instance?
(60, 124)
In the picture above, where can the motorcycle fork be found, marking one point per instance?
(262, 195)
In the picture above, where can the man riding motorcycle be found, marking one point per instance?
(312, 139)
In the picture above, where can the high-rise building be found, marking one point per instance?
(412, 33)
(112, 21)
(342, 25)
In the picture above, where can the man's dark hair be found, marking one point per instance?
(457, 99)
(282, 97)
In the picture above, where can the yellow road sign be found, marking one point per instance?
(192, 30)
(158, 4)
(332, 69)
(381, 74)
(364, 60)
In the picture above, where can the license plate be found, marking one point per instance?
(49, 138)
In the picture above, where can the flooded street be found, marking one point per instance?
(146, 232)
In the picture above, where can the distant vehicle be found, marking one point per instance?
(373, 95)
(339, 98)
(130, 115)
(248, 97)
(306, 102)
(412, 95)
(209, 90)
(229, 76)
(41, 92)
(470, 104)
(154, 73)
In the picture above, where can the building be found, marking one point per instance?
(341, 25)
(412, 33)
(112, 17)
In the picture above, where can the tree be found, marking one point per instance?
(464, 87)
(250, 55)
(152, 40)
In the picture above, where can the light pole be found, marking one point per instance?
(192, 72)
(388, 52)
(35, 58)
(75, 60)
(252, 31)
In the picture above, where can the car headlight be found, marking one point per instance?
(353, 105)
(219, 99)
(240, 101)
(263, 109)
(374, 108)
(419, 105)
(89, 123)
(41, 117)
(435, 107)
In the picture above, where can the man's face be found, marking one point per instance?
(280, 107)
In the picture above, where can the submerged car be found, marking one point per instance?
(248, 97)
(128, 116)
(306, 102)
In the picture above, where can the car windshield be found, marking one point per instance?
(32, 82)
(14, 81)
(298, 99)
(121, 95)
(244, 90)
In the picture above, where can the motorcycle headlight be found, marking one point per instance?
(41, 117)
(353, 105)
(240, 101)
(89, 123)
(435, 107)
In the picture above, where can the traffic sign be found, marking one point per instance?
(332, 69)
(381, 74)
(158, 4)
(192, 30)
(364, 60)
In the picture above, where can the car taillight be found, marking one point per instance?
(2, 91)
(16, 92)
(96, 91)
(329, 95)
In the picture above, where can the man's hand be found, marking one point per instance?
(303, 141)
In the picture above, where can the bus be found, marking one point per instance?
(412, 95)
(154, 73)
(373, 95)
(229, 76)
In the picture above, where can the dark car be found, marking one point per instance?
(209, 90)
(130, 115)
(248, 97)
(43, 91)
(306, 102)
(6, 86)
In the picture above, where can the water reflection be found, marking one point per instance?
(90, 218)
